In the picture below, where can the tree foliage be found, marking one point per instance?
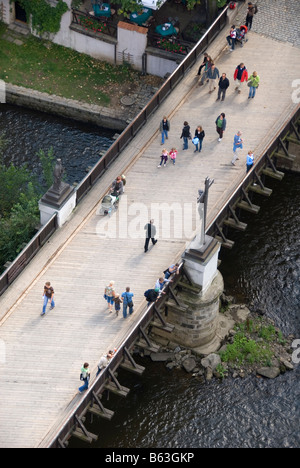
(44, 17)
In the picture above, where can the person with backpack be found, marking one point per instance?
(127, 302)
(151, 295)
(251, 11)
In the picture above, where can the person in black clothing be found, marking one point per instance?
(251, 10)
(202, 64)
(150, 234)
(151, 295)
(223, 85)
(186, 135)
(164, 128)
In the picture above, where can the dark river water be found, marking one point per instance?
(171, 409)
(77, 145)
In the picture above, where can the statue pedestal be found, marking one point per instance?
(61, 201)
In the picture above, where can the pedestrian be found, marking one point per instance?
(237, 145)
(151, 295)
(241, 75)
(118, 301)
(172, 269)
(212, 75)
(164, 128)
(205, 55)
(251, 11)
(127, 302)
(163, 158)
(104, 361)
(161, 282)
(117, 187)
(109, 294)
(231, 39)
(206, 68)
(173, 155)
(250, 161)
(85, 377)
(150, 234)
(223, 86)
(198, 139)
(221, 125)
(253, 84)
(186, 135)
(48, 295)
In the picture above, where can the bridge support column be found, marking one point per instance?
(195, 314)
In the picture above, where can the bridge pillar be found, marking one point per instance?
(195, 312)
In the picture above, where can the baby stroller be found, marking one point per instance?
(241, 35)
(109, 205)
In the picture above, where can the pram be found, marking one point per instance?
(109, 205)
(241, 35)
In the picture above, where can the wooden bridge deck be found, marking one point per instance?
(43, 356)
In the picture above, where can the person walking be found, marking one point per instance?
(212, 75)
(231, 39)
(150, 234)
(205, 55)
(241, 75)
(118, 301)
(48, 295)
(253, 84)
(251, 11)
(163, 158)
(85, 377)
(186, 135)
(223, 86)
(221, 125)
(237, 145)
(199, 134)
(206, 68)
(250, 161)
(109, 294)
(127, 302)
(173, 155)
(164, 128)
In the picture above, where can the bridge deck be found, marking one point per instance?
(43, 356)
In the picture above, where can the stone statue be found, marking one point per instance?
(57, 175)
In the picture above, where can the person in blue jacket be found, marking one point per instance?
(250, 161)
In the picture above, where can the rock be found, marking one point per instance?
(269, 372)
(212, 361)
(161, 357)
(209, 374)
(288, 365)
(189, 364)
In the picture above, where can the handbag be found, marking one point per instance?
(105, 297)
(195, 140)
(130, 303)
(249, 84)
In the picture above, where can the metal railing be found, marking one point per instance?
(94, 25)
(169, 44)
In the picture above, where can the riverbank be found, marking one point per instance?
(253, 346)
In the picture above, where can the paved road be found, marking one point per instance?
(41, 357)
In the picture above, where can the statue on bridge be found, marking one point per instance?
(200, 240)
(57, 175)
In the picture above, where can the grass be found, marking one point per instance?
(50, 68)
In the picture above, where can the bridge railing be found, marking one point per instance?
(20, 262)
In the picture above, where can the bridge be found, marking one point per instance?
(41, 358)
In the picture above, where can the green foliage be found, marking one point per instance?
(129, 6)
(244, 349)
(191, 4)
(47, 162)
(45, 18)
(221, 3)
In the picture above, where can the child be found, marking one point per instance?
(173, 154)
(164, 158)
(118, 301)
(250, 160)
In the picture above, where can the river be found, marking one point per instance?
(172, 409)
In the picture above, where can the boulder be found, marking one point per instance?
(189, 364)
(269, 372)
(161, 357)
(212, 361)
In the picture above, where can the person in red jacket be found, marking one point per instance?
(240, 75)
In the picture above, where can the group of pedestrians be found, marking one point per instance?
(114, 299)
